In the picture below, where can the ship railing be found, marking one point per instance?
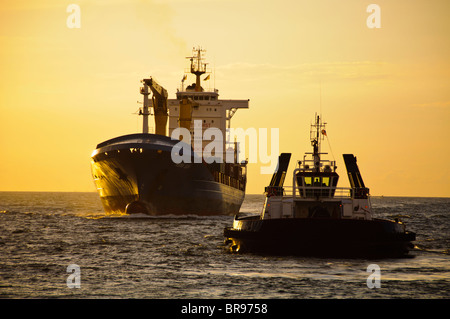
(301, 192)
(308, 165)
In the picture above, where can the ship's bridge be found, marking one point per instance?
(212, 95)
(318, 179)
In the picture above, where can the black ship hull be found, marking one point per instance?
(136, 174)
(342, 238)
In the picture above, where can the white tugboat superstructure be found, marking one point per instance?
(315, 183)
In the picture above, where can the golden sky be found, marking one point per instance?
(384, 92)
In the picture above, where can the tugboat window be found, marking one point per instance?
(317, 181)
(307, 181)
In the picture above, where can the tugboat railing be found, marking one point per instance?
(317, 191)
(312, 191)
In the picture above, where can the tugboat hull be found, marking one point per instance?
(320, 237)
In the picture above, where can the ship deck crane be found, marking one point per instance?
(159, 99)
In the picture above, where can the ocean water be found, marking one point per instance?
(142, 257)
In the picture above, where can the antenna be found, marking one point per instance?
(320, 97)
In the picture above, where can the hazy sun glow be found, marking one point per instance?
(384, 92)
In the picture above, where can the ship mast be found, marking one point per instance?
(145, 112)
(315, 141)
(197, 67)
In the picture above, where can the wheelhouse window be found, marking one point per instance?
(317, 184)
(307, 181)
(317, 181)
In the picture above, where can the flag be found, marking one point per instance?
(324, 132)
(207, 78)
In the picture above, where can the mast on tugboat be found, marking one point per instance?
(315, 141)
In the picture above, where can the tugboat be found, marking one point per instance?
(137, 173)
(314, 217)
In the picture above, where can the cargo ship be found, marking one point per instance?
(175, 171)
(315, 217)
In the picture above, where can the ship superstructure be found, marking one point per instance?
(196, 107)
